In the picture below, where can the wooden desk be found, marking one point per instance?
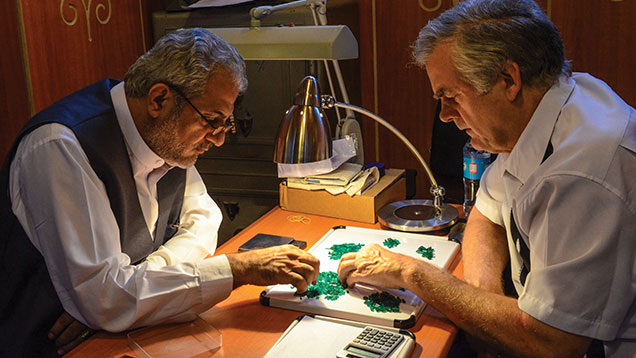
(249, 329)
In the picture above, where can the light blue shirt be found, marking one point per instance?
(576, 212)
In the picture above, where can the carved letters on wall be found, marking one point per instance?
(100, 11)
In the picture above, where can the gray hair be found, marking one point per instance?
(487, 33)
(185, 59)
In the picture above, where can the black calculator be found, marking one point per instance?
(372, 342)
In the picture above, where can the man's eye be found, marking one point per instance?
(215, 122)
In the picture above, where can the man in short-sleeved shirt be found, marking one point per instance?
(558, 204)
(574, 210)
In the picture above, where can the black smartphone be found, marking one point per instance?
(260, 241)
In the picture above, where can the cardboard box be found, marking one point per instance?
(363, 207)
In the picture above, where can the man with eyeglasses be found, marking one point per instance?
(104, 215)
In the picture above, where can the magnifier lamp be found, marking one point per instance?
(304, 136)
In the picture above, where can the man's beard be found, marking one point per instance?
(161, 137)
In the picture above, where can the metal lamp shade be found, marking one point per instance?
(304, 134)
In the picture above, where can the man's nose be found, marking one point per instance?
(217, 139)
(447, 113)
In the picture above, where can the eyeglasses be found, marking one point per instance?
(230, 124)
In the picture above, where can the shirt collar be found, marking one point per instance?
(138, 150)
(529, 150)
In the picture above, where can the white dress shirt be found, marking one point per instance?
(577, 210)
(65, 211)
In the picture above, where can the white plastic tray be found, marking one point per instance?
(351, 306)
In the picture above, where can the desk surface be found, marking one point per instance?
(250, 329)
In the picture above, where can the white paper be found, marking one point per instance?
(324, 338)
(314, 338)
(339, 176)
(364, 181)
(343, 150)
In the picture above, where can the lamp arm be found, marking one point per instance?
(319, 11)
(437, 191)
(260, 12)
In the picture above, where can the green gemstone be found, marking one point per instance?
(336, 251)
(383, 302)
(426, 252)
(327, 285)
(391, 243)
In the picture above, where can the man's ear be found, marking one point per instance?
(157, 100)
(512, 78)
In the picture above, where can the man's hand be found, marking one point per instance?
(68, 333)
(374, 265)
(275, 265)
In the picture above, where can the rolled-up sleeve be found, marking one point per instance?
(490, 194)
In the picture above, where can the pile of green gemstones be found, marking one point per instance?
(383, 302)
(426, 252)
(336, 251)
(327, 284)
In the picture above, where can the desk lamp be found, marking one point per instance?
(304, 136)
(328, 43)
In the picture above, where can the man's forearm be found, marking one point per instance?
(484, 253)
(492, 318)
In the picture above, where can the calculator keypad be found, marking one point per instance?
(377, 340)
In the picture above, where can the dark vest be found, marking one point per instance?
(28, 303)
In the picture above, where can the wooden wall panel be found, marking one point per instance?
(598, 35)
(72, 43)
(600, 38)
(392, 86)
(13, 94)
(53, 48)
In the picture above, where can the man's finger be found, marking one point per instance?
(349, 256)
(60, 325)
(306, 271)
(354, 278)
(76, 341)
(299, 282)
(71, 333)
(311, 260)
(345, 267)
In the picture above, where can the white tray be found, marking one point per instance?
(351, 306)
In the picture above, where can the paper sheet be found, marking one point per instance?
(343, 150)
(357, 184)
(314, 338)
(340, 176)
(322, 337)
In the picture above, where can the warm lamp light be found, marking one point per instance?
(304, 136)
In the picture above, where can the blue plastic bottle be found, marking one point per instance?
(475, 162)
